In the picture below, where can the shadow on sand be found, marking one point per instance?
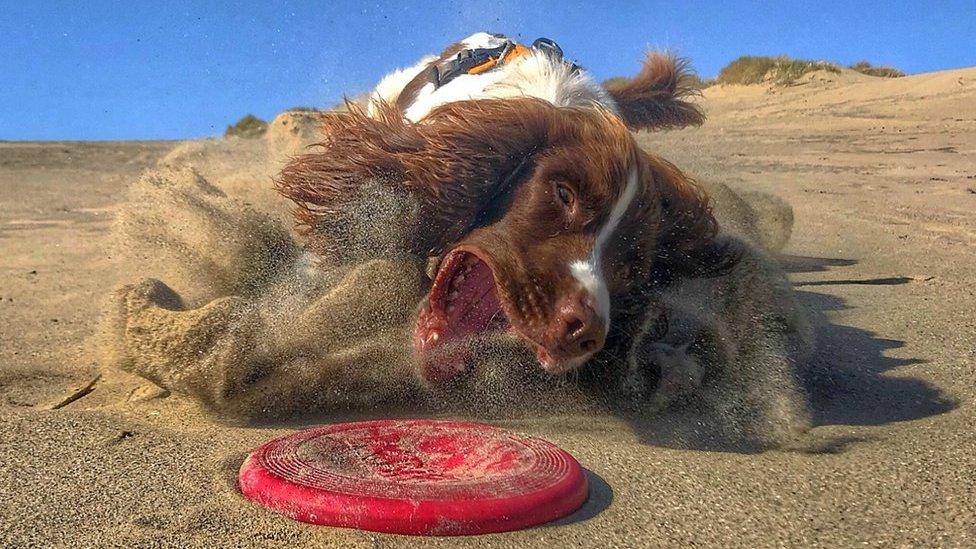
(847, 382)
(846, 379)
(600, 498)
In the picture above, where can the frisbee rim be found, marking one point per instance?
(441, 517)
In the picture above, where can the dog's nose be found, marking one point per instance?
(579, 330)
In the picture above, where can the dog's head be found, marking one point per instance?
(585, 223)
(546, 220)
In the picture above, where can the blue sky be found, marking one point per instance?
(151, 70)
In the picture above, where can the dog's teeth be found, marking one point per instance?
(453, 295)
(433, 337)
(459, 278)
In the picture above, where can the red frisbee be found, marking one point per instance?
(421, 477)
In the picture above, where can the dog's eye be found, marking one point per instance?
(565, 195)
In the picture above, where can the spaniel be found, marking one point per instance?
(542, 216)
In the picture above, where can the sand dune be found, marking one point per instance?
(882, 177)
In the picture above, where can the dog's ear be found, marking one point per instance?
(658, 96)
(357, 150)
(688, 242)
(456, 161)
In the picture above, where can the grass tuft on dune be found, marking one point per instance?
(248, 126)
(864, 67)
(750, 69)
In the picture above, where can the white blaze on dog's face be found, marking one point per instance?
(590, 273)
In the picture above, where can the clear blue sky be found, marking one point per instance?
(171, 69)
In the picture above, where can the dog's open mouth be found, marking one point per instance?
(463, 302)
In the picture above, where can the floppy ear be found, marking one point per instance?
(688, 239)
(657, 97)
(456, 162)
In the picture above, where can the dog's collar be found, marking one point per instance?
(481, 60)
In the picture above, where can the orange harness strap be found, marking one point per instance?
(482, 60)
(517, 50)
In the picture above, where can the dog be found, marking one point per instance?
(545, 218)
(547, 222)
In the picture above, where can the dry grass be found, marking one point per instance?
(780, 70)
(864, 67)
(249, 126)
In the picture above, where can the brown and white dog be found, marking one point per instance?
(544, 216)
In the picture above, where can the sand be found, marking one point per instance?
(882, 177)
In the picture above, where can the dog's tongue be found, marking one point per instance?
(464, 305)
(471, 301)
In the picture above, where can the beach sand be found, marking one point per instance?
(882, 177)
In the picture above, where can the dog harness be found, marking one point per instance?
(480, 60)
